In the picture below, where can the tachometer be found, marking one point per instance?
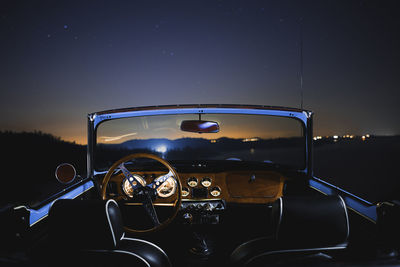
(167, 188)
(192, 182)
(215, 191)
(134, 179)
(206, 182)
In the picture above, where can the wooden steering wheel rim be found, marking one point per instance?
(176, 204)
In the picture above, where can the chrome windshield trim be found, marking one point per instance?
(97, 119)
(305, 116)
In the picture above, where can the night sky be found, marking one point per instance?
(63, 59)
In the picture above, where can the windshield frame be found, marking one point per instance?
(304, 116)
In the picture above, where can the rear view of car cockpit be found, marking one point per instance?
(208, 185)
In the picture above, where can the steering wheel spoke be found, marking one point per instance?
(148, 206)
(133, 181)
(158, 182)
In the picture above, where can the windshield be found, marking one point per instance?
(257, 138)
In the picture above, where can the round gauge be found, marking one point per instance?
(185, 191)
(192, 182)
(206, 182)
(167, 188)
(126, 185)
(215, 191)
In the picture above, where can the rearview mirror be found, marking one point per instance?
(199, 126)
(65, 173)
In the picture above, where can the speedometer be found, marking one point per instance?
(134, 179)
(167, 188)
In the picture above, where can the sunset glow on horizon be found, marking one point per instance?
(65, 59)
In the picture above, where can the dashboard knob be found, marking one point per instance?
(188, 218)
(208, 207)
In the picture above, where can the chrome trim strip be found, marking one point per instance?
(200, 199)
(154, 204)
(334, 187)
(357, 204)
(362, 215)
(303, 116)
(37, 215)
(350, 208)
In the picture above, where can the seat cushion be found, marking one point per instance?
(148, 251)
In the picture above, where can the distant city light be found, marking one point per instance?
(213, 141)
(161, 149)
(336, 138)
(250, 139)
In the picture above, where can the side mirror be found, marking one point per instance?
(199, 126)
(65, 173)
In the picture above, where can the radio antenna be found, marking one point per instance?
(301, 61)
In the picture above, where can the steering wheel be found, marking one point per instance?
(146, 193)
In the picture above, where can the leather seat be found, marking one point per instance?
(307, 229)
(90, 233)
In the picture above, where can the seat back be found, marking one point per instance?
(304, 227)
(315, 221)
(85, 224)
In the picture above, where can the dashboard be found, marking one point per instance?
(205, 195)
(233, 187)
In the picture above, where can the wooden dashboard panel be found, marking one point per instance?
(238, 187)
(253, 185)
(256, 187)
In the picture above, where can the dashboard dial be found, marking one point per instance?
(126, 185)
(167, 188)
(206, 181)
(192, 182)
(215, 191)
(185, 191)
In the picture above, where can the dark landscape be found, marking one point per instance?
(368, 168)
(29, 162)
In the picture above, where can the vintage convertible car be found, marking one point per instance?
(200, 185)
